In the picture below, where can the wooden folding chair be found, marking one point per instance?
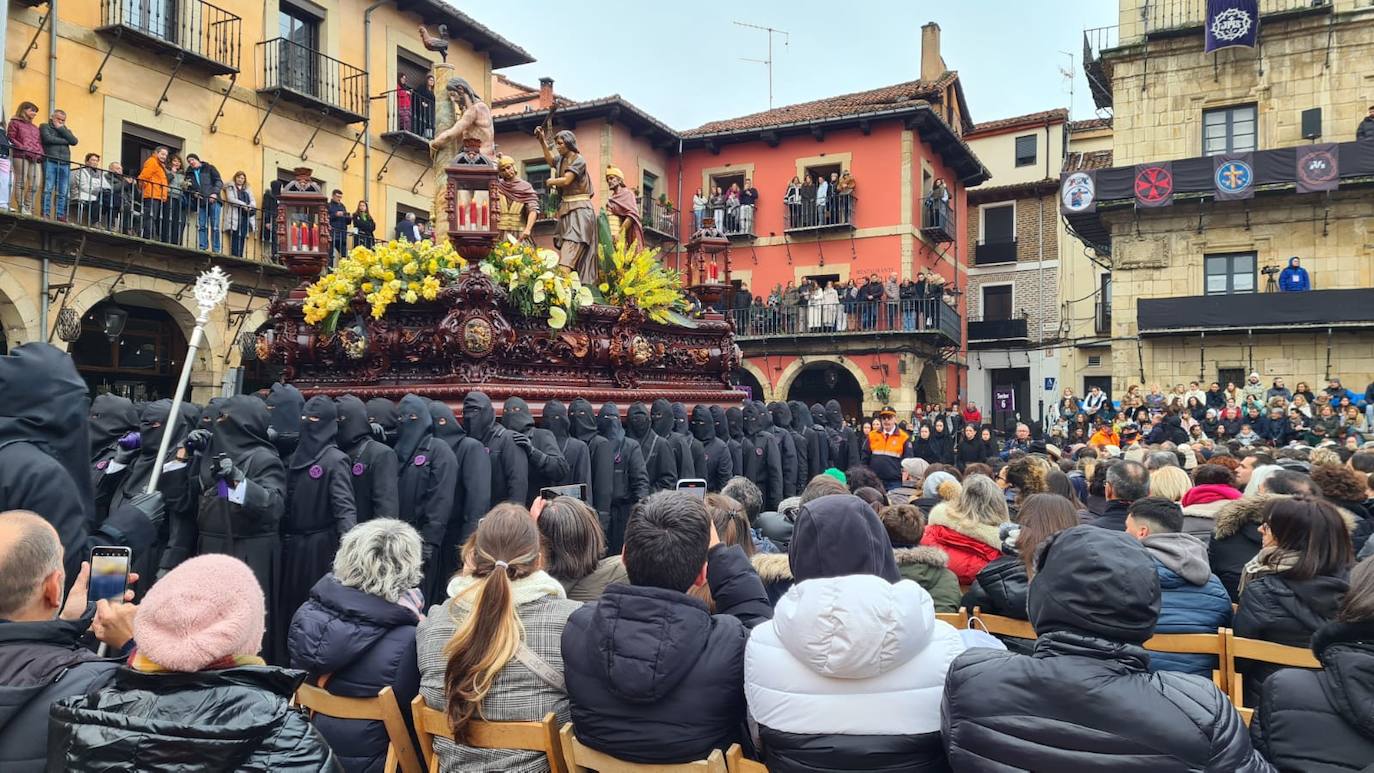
(735, 762)
(1195, 644)
(400, 753)
(957, 619)
(1001, 626)
(541, 736)
(1239, 647)
(580, 759)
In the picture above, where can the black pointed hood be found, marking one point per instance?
(637, 422)
(240, 432)
(385, 414)
(286, 404)
(753, 419)
(834, 415)
(661, 416)
(583, 417)
(415, 424)
(801, 415)
(765, 418)
(353, 424)
(444, 424)
(680, 418)
(210, 413)
(703, 426)
(718, 419)
(479, 417)
(555, 419)
(734, 422)
(818, 416)
(319, 431)
(781, 414)
(608, 422)
(152, 422)
(516, 416)
(112, 417)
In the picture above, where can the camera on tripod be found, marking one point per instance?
(1270, 270)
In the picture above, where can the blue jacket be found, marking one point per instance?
(1294, 280)
(1185, 605)
(364, 643)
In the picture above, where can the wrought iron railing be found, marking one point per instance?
(410, 111)
(1171, 15)
(660, 218)
(986, 253)
(307, 73)
(922, 315)
(939, 220)
(836, 211)
(199, 28)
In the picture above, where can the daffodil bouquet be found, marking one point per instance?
(538, 287)
(631, 274)
(384, 274)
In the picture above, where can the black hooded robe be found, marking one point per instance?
(851, 451)
(546, 462)
(385, 414)
(510, 466)
(112, 417)
(793, 457)
(472, 492)
(243, 518)
(762, 460)
(172, 482)
(661, 455)
(584, 427)
(663, 419)
(734, 422)
(719, 465)
(285, 404)
(429, 476)
(629, 480)
(373, 468)
(813, 437)
(575, 451)
(319, 510)
(787, 451)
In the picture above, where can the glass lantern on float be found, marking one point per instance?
(468, 198)
(708, 268)
(302, 229)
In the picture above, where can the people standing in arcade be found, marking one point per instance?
(628, 481)
(510, 465)
(373, 468)
(429, 476)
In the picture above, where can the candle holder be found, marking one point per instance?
(302, 228)
(468, 198)
(708, 267)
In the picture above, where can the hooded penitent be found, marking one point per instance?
(240, 432)
(583, 418)
(319, 431)
(415, 424)
(479, 416)
(516, 416)
(544, 460)
(792, 444)
(385, 414)
(638, 422)
(718, 419)
(660, 463)
(112, 417)
(555, 420)
(353, 424)
(445, 425)
(734, 420)
(510, 464)
(284, 404)
(680, 418)
(761, 458)
(428, 480)
(210, 413)
(817, 448)
(374, 469)
(608, 422)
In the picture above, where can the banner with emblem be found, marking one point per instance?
(1231, 23)
(1319, 168)
(1154, 185)
(1233, 176)
(1078, 193)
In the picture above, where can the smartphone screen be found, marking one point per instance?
(577, 491)
(694, 486)
(109, 574)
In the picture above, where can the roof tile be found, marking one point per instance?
(1093, 159)
(1051, 116)
(893, 96)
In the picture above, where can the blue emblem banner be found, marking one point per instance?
(1231, 23)
(1233, 176)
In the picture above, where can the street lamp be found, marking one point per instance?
(113, 319)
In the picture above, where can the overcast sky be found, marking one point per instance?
(681, 61)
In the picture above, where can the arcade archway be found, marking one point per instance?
(819, 382)
(750, 382)
(130, 345)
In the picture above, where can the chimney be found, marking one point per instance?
(545, 93)
(932, 64)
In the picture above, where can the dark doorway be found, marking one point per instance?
(140, 361)
(1101, 382)
(1017, 382)
(748, 382)
(1232, 376)
(823, 381)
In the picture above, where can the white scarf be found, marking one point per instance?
(524, 590)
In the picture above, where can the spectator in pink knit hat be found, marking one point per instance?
(194, 695)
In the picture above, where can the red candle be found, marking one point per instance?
(314, 237)
(462, 216)
(486, 214)
(472, 213)
(295, 236)
(715, 271)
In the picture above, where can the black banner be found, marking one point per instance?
(1154, 185)
(1319, 168)
(1233, 176)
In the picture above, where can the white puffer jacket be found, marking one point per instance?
(850, 655)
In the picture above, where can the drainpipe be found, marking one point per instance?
(367, 90)
(52, 105)
(677, 249)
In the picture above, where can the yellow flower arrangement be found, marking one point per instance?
(632, 274)
(537, 286)
(390, 271)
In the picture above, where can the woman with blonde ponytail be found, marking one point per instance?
(491, 651)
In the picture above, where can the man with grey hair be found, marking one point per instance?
(744, 491)
(41, 655)
(359, 627)
(1156, 460)
(1127, 481)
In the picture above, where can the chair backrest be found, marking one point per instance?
(541, 736)
(956, 619)
(1196, 644)
(400, 753)
(735, 762)
(1239, 647)
(580, 758)
(999, 625)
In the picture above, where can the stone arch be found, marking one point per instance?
(149, 291)
(19, 316)
(762, 378)
(790, 375)
(930, 386)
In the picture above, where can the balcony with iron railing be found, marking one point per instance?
(195, 31)
(930, 318)
(836, 212)
(1165, 17)
(939, 222)
(409, 117)
(308, 77)
(987, 253)
(1095, 67)
(659, 219)
(998, 333)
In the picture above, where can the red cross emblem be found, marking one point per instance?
(1153, 184)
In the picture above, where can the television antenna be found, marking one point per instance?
(786, 38)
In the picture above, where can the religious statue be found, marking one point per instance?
(622, 209)
(517, 204)
(471, 128)
(576, 235)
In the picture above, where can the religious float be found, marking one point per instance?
(481, 307)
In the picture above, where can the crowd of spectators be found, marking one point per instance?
(871, 304)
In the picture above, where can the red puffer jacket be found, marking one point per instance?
(970, 545)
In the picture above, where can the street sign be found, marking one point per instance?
(1004, 399)
(1049, 383)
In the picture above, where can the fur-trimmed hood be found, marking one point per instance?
(1250, 509)
(772, 567)
(924, 554)
(945, 515)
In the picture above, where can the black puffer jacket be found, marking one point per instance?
(1000, 589)
(236, 719)
(1235, 540)
(1320, 721)
(1275, 608)
(1086, 700)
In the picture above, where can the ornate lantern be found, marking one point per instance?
(468, 198)
(708, 267)
(303, 236)
(68, 324)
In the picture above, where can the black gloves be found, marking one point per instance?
(378, 433)
(226, 471)
(198, 440)
(522, 441)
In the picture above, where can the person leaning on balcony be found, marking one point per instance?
(791, 298)
(822, 196)
(806, 215)
(892, 296)
(88, 183)
(845, 189)
(937, 204)
(206, 185)
(364, 225)
(1366, 128)
(26, 152)
(242, 212)
(338, 223)
(6, 171)
(792, 198)
(698, 210)
(152, 188)
(748, 202)
(1294, 278)
(716, 204)
(57, 142)
(732, 209)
